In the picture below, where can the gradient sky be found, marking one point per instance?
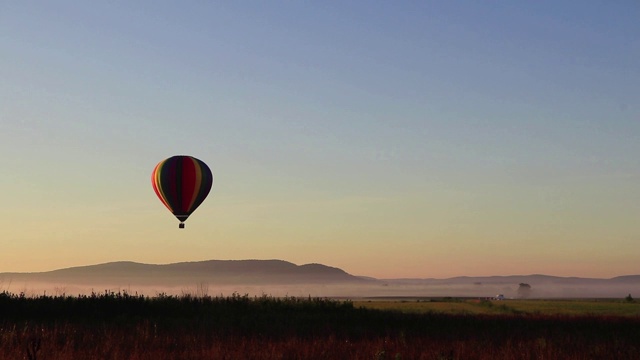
(387, 138)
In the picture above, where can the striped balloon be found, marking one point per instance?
(182, 183)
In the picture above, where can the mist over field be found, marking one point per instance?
(280, 278)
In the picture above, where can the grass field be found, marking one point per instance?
(616, 307)
(123, 326)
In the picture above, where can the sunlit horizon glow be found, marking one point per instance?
(392, 140)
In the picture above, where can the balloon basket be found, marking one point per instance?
(181, 226)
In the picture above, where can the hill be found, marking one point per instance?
(277, 272)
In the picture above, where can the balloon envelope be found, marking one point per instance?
(182, 183)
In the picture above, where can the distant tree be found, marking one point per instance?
(629, 298)
(524, 291)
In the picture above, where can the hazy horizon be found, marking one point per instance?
(280, 278)
(389, 139)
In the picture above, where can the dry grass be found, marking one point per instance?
(120, 326)
(617, 307)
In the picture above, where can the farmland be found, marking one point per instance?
(122, 326)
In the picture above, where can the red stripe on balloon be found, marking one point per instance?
(188, 183)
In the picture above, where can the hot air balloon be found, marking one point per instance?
(182, 183)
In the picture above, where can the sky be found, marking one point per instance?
(422, 139)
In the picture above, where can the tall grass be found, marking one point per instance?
(124, 326)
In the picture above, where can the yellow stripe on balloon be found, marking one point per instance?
(156, 181)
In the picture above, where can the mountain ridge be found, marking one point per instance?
(286, 267)
(218, 271)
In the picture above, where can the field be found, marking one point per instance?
(123, 326)
(604, 307)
